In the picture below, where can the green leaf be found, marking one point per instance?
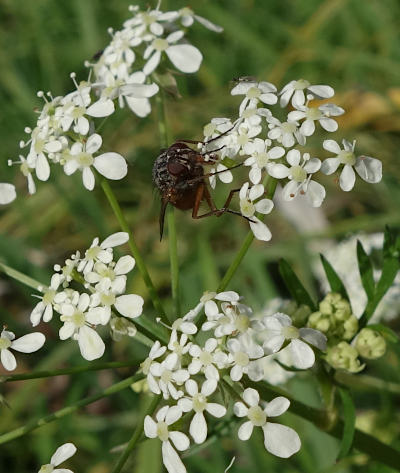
(335, 282)
(349, 421)
(391, 265)
(366, 271)
(386, 332)
(297, 290)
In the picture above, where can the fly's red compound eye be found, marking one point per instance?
(175, 168)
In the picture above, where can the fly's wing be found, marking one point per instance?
(164, 203)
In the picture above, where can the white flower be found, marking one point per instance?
(111, 165)
(76, 325)
(207, 359)
(286, 133)
(279, 440)
(102, 252)
(26, 171)
(243, 350)
(25, 344)
(260, 156)
(369, 169)
(278, 328)
(155, 352)
(188, 16)
(165, 417)
(184, 57)
(248, 208)
(295, 90)
(255, 92)
(234, 319)
(163, 376)
(7, 193)
(198, 403)
(313, 114)
(67, 450)
(299, 173)
(179, 346)
(44, 308)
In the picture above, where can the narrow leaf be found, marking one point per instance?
(366, 271)
(334, 280)
(296, 289)
(349, 421)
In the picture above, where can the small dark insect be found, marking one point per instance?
(97, 55)
(179, 175)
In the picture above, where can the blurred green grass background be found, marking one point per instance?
(353, 45)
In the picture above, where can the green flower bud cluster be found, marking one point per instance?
(368, 344)
(344, 357)
(334, 318)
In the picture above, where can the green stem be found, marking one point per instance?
(173, 255)
(134, 249)
(22, 278)
(328, 422)
(136, 435)
(246, 244)
(32, 425)
(63, 371)
(172, 235)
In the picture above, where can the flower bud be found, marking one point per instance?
(344, 357)
(350, 327)
(370, 344)
(319, 321)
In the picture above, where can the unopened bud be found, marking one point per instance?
(319, 321)
(344, 357)
(370, 344)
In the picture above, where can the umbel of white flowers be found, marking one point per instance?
(188, 374)
(104, 302)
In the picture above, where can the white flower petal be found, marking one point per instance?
(260, 230)
(303, 355)
(116, 239)
(280, 440)
(251, 397)
(185, 57)
(93, 143)
(90, 343)
(29, 343)
(111, 165)
(245, 430)
(279, 171)
(332, 146)
(124, 265)
(180, 440)
(240, 409)
(63, 453)
(141, 107)
(215, 409)
(322, 91)
(198, 428)
(315, 193)
(8, 360)
(171, 459)
(42, 168)
(88, 178)
(256, 192)
(347, 178)
(152, 63)
(315, 337)
(328, 124)
(274, 344)
(308, 127)
(130, 305)
(264, 206)
(101, 108)
(139, 91)
(150, 427)
(330, 165)
(173, 414)
(277, 406)
(369, 169)
(7, 193)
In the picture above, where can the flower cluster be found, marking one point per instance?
(187, 374)
(66, 132)
(269, 147)
(105, 301)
